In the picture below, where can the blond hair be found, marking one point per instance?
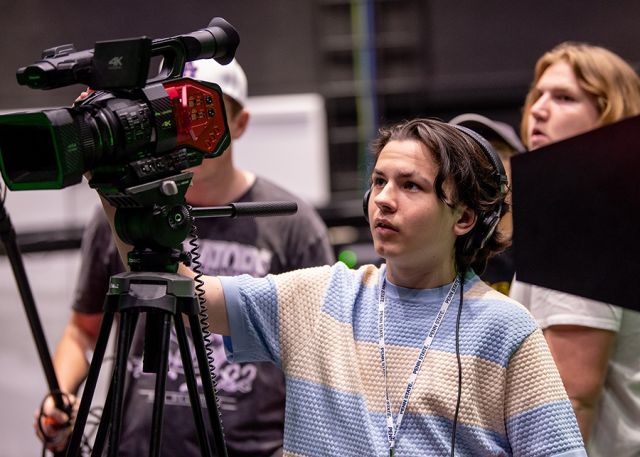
(614, 85)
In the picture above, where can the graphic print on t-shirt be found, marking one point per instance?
(233, 379)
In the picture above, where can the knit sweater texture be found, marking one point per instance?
(321, 326)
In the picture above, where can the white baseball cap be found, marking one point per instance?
(231, 78)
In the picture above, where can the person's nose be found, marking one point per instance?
(540, 108)
(385, 199)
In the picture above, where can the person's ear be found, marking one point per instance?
(465, 221)
(240, 124)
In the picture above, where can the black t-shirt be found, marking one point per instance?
(251, 395)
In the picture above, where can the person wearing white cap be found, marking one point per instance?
(251, 395)
(504, 139)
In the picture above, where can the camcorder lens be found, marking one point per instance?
(31, 146)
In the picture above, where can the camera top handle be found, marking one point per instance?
(102, 67)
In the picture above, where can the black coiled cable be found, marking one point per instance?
(203, 318)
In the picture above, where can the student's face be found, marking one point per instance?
(562, 109)
(410, 226)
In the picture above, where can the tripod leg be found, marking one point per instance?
(103, 428)
(207, 386)
(105, 420)
(161, 381)
(127, 325)
(194, 396)
(90, 385)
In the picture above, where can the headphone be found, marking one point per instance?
(487, 223)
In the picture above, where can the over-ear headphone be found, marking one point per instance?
(487, 223)
(365, 204)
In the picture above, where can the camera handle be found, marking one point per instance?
(8, 235)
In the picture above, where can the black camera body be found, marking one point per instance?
(114, 64)
(129, 130)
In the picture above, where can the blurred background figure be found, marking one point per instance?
(505, 141)
(578, 87)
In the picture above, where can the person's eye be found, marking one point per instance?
(565, 98)
(410, 185)
(378, 181)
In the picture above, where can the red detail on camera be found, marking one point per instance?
(199, 114)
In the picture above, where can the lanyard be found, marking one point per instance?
(393, 429)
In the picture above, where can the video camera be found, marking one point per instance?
(129, 130)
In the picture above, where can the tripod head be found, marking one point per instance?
(158, 224)
(161, 221)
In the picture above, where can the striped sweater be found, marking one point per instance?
(321, 326)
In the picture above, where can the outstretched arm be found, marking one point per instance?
(216, 304)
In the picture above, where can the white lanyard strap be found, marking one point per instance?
(393, 429)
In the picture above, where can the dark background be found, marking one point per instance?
(434, 57)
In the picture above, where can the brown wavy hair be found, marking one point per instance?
(461, 160)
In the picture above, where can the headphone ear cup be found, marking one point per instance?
(481, 233)
(365, 204)
(491, 222)
(488, 223)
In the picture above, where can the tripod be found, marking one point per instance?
(164, 297)
(155, 289)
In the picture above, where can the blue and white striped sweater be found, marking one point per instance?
(320, 326)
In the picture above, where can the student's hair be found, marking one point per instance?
(601, 73)
(460, 159)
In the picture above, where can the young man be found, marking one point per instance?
(352, 342)
(500, 268)
(578, 87)
(251, 394)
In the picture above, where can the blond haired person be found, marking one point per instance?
(578, 87)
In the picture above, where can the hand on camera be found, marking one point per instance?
(54, 426)
(84, 94)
